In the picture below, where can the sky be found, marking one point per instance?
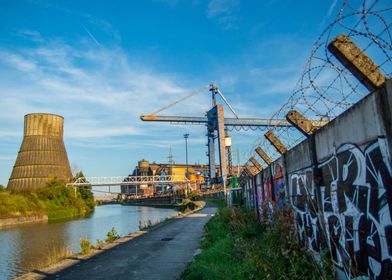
(100, 64)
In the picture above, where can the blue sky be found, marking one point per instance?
(102, 63)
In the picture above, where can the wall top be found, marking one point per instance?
(42, 124)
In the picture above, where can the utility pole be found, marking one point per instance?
(186, 136)
(170, 158)
(238, 162)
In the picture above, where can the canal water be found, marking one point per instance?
(23, 247)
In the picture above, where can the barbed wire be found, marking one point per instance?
(326, 88)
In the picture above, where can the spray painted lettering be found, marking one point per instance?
(354, 203)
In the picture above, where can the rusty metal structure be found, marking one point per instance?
(42, 154)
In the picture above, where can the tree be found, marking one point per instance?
(78, 175)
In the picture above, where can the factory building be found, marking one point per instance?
(197, 172)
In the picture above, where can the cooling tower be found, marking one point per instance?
(42, 153)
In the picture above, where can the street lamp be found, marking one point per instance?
(186, 136)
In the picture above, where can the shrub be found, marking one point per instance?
(112, 235)
(186, 205)
(85, 246)
(100, 244)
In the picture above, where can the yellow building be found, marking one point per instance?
(197, 172)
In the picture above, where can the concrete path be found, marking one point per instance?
(160, 254)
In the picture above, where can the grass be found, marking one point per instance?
(238, 246)
(85, 246)
(55, 200)
(53, 255)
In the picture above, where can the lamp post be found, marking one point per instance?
(186, 136)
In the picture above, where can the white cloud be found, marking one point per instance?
(98, 90)
(224, 11)
(32, 35)
(18, 62)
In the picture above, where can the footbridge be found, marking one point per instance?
(108, 181)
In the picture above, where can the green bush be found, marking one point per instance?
(112, 235)
(55, 200)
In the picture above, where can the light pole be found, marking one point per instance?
(186, 136)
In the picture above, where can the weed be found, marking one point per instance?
(145, 225)
(100, 244)
(85, 246)
(112, 235)
(53, 255)
(238, 246)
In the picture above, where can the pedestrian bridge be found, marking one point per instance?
(129, 180)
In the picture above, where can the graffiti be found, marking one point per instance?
(260, 197)
(304, 204)
(353, 204)
(267, 205)
(271, 192)
(279, 186)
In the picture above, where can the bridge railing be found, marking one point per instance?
(127, 180)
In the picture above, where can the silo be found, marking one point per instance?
(42, 154)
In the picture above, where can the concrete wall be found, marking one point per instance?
(338, 185)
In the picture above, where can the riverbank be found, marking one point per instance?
(184, 206)
(78, 258)
(27, 219)
(50, 203)
(238, 246)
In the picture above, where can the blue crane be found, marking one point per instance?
(216, 127)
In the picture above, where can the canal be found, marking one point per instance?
(24, 247)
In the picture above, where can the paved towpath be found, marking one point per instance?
(160, 254)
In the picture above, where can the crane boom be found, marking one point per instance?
(227, 103)
(227, 121)
(180, 100)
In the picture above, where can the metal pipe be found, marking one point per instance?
(186, 136)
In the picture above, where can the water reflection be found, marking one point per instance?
(22, 247)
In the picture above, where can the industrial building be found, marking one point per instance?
(196, 172)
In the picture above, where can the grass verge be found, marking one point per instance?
(238, 246)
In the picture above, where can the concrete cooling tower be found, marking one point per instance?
(42, 153)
